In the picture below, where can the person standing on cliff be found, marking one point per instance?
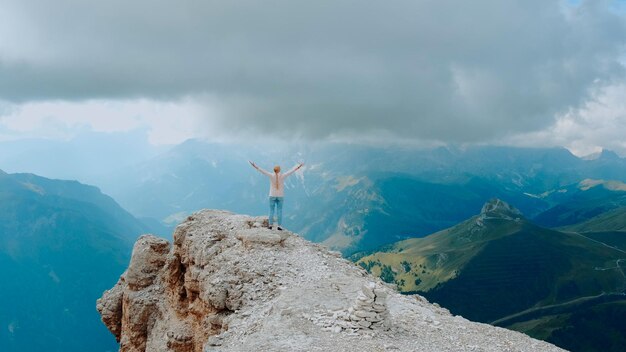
(277, 191)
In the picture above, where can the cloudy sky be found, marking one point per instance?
(531, 72)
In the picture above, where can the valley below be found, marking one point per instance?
(529, 240)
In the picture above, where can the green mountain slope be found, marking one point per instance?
(498, 267)
(61, 244)
(581, 202)
(614, 220)
(575, 330)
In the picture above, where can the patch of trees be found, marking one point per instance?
(406, 265)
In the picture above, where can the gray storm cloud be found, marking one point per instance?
(458, 71)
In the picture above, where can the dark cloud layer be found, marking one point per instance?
(443, 70)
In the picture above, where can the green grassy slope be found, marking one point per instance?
(500, 268)
(598, 327)
(532, 267)
(582, 202)
(614, 220)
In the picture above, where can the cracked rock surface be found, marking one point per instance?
(227, 283)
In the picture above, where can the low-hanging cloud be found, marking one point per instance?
(598, 124)
(459, 71)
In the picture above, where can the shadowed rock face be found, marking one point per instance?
(174, 299)
(230, 284)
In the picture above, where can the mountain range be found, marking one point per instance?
(351, 197)
(61, 244)
(499, 267)
(354, 197)
(70, 241)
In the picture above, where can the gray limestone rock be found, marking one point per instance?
(230, 284)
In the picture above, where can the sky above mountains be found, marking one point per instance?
(530, 73)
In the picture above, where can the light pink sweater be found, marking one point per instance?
(280, 190)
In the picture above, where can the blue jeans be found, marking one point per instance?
(278, 203)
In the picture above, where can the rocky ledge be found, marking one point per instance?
(230, 284)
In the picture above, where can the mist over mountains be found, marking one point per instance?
(355, 197)
(487, 135)
(61, 244)
(352, 198)
(87, 157)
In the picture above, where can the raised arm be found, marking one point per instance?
(294, 169)
(264, 172)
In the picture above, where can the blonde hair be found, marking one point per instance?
(276, 171)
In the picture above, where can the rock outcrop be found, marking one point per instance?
(498, 209)
(230, 284)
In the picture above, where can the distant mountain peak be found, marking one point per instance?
(603, 154)
(592, 156)
(608, 155)
(499, 209)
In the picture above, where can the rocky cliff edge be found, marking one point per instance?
(230, 284)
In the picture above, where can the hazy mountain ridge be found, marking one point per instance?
(60, 243)
(351, 196)
(358, 198)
